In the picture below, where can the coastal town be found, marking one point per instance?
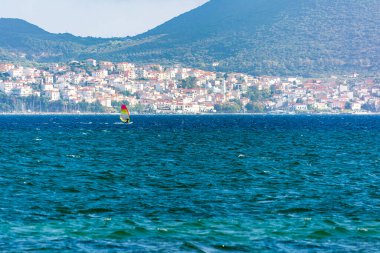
(176, 89)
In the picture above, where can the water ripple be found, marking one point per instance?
(190, 184)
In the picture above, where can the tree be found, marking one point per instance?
(228, 108)
(189, 83)
(138, 108)
(254, 94)
(255, 107)
(236, 101)
(273, 89)
(126, 93)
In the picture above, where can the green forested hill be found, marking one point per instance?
(22, 40)
(284, 37)
(261, 37)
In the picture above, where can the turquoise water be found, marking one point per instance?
(190, 184)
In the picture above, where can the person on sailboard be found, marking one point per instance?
(124, 115)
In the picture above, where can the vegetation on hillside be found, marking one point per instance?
(260, 37)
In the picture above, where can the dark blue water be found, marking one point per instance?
(190, 184)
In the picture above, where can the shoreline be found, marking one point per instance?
(184, 114)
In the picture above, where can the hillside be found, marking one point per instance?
(272, 37)
(20, 39)
(260, 37)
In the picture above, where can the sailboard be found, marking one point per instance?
(125, 115)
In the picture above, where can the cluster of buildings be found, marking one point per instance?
(175, 89)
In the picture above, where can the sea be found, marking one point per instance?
(200, 183)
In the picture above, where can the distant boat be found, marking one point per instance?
(125, 115)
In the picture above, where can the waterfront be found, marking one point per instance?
(92, 86)
(203, 183)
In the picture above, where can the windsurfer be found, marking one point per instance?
(124, 115)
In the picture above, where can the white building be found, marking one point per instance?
(320, 106)
(69, 93)
(52, 95)
(48, 79)
(356, 106)
(6, 87)
(23, 91)
(47, 87)
(105, 101)
(17, 72)
(343, 88)
(125, 66)
(300, 107)
(102, 73)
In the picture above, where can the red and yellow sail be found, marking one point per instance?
(124, 114)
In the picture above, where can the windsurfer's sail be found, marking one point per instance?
(124, 114)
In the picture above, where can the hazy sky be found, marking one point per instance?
(100, 18)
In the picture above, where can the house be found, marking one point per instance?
(356, 106)
(300, 107)
(5, 67)
(16, 72)
(102, 73)
(106, 65)
(337, 104)
(6, 87)
(91, 62)
(23, 91)
(320, 106)
(52, 95)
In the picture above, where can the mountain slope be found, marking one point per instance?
(284, 37)
(19, 38)
(260, 37)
